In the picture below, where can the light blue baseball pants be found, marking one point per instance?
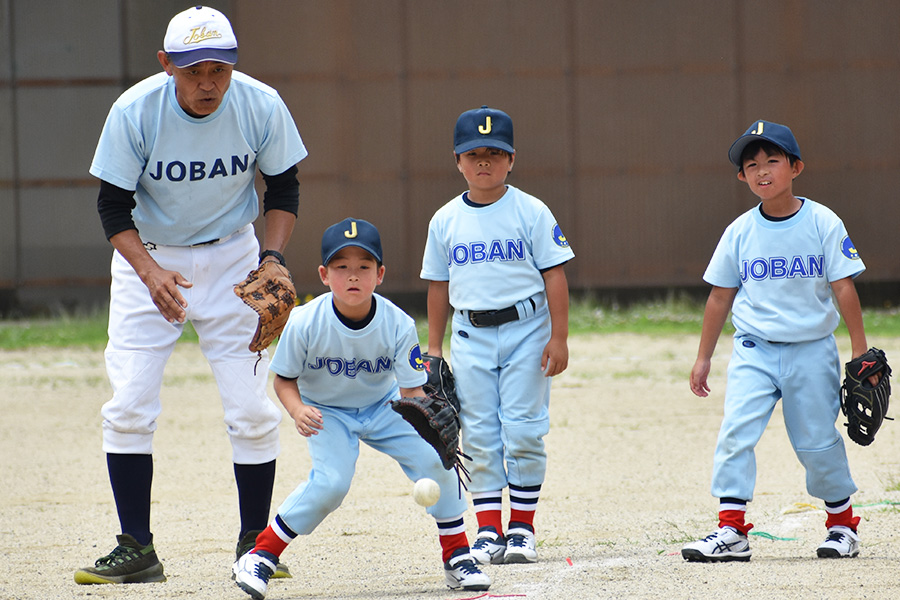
(806, 377)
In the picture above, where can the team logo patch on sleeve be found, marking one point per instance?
(559, 237)
(415, 358)
(848, 249)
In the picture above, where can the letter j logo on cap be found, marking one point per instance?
(351, 233)
(486, 128)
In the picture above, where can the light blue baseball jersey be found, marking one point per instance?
(783, 270)
(194, 178)
(342, 367)
(508, 242)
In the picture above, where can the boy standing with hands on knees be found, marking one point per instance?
(776, 268)
(495, 257)
(340, 361)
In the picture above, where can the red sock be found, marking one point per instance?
(269, 541)
(488, 509)
(452, 535)
(523, 502)
(844, 518)
(525, 517)
(734, 518)
(452, 543)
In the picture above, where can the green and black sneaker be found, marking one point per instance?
(246, 544)
(128, 563)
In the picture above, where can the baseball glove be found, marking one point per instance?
(865, 405)
(436, 415)
(269, 290)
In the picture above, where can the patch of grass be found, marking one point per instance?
(674, 315)
(681, 537)
(669, 316)
(79, 330)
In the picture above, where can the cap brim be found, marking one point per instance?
(484, 143)
(192, 57)
(737, 148)
(327, 259)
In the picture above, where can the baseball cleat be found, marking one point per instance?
(520, 546)
(252, 572)
(723, 544)
(842, 542)
(489, 546)
(129, 562)
(246, 544)
(462, 571)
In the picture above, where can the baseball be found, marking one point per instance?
(426, 492)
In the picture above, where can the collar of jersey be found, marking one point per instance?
(787, 223)
(483, 208)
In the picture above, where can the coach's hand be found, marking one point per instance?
(163, 286)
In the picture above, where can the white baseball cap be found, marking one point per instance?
(197, 34)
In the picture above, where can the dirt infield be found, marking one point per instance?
(628, 483)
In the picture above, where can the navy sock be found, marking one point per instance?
(254, 483)
(131, 476)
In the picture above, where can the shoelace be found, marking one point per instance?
(713, 535)
(119, 554)
(516, 540)
(481, 543)
(468, 567)
(835, 536)
(263, 571)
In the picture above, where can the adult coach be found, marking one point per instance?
(177, 162)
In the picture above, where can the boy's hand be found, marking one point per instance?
(699, 373)
(555, 357)
(307, 420)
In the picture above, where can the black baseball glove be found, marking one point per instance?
(865, 405)
(435, 416)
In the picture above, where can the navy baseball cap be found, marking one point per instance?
(780, 135)
(351, 232)
(198, 34)
(483, 128)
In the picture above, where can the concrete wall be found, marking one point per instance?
(624, 111)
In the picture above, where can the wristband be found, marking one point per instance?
(278, 256)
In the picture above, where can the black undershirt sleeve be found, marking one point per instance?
(115, 205)
(282, 192)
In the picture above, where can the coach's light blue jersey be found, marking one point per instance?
(493, 255)
(194, 178)
(347, 368)
(783, 270)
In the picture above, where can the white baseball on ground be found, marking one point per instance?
(426, 492)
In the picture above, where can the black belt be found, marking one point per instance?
(494, 318)
(205, 243)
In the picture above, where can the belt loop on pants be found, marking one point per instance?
(495, 318)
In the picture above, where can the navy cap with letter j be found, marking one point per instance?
(780, 135)
(351, 232)
(483, 128)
